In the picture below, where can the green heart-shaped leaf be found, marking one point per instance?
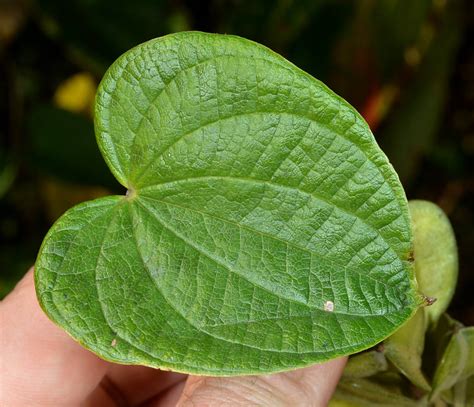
(263, 228)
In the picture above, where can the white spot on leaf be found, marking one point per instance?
(114, 342)
(329, 306)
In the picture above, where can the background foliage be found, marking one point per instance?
(407, 66)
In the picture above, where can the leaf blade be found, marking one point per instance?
(265, 230)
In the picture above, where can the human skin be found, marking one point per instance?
(42, 366)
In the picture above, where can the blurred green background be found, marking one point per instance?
(407, 66)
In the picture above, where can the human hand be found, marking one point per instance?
(42, 366)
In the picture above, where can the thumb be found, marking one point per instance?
(311, 386)
(41, 365)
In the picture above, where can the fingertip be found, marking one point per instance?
(313, 385)
(43, 364)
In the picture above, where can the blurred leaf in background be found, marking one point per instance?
(76, 93)
(410, 130)
(62, 144)
(98, 31)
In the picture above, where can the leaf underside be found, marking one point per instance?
(263, 229)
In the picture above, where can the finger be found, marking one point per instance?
(168, 398)
(101, 397)
(133, 385)
(41, 364)
(311, 386)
